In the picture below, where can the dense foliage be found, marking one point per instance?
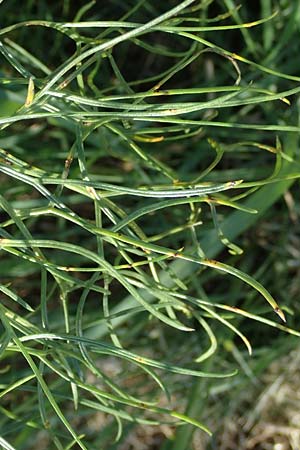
(149, 249)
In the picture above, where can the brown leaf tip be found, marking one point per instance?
(280, 314)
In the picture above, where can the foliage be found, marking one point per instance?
(138, 143)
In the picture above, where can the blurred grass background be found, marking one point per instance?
(100, 285)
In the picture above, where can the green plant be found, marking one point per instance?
(124, 145)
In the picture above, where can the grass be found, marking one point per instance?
(149, 159)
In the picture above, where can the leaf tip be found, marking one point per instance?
(280, 314)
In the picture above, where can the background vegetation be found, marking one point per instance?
(149, 234)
